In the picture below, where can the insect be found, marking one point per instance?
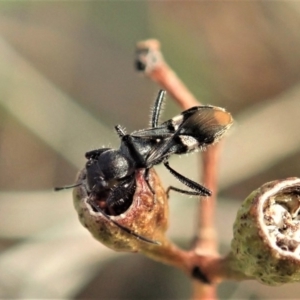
(110, 173)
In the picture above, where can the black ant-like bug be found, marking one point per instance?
(110, 173)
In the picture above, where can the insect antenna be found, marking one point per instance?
(59, 188)
(129, 231)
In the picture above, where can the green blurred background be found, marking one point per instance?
(67, 77)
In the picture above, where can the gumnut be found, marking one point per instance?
(266, 243)
(146, 216)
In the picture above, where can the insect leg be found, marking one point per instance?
(173, 188)
(146, 176)
(199, 189)
(129, 231)
(157, 108)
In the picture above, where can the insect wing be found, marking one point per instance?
(194, 128)
(167, 128)
(205, 124)
(162, 150)
(162, 131)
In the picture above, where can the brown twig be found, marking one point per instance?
(152, 63)
(155, 67)
(206, 242)
(206, 229)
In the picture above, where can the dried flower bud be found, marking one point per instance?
(146, 216)
(148, 55)
(266, 243)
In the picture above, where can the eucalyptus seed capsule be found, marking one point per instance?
(266, 243)
(142, 224)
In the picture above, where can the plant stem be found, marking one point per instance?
(159, 71)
